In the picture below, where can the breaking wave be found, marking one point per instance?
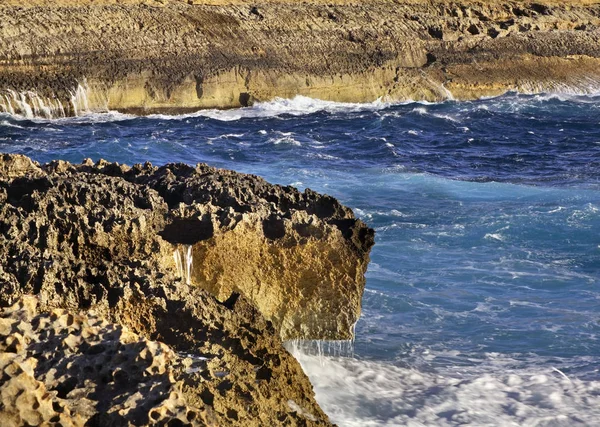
(297, 106)
(28, 105)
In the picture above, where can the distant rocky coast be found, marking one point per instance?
(175, 55)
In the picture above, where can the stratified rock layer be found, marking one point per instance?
(172, 55)
(103, 237)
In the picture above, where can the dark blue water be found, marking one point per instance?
(483, 295)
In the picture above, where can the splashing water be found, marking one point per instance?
(321, 349)
(584, 85)
(501, 392)
(183, 262)
(30, 105)
(79, 99)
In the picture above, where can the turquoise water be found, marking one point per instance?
(483, 297)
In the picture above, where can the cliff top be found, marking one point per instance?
(159, 3)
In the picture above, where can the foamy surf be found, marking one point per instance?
(83, 118)
(297, 106)
(28, 106)
(498, 391)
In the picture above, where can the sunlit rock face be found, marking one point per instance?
(148, 56)
(212, 263)
(299, 257)
(79, 369)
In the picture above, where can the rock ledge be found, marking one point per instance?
(106, 250)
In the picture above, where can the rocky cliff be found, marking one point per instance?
(170, 55)
(163, 293)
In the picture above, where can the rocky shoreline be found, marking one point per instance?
(102, 322)
(173, 56)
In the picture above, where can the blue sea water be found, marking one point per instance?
(482, 304)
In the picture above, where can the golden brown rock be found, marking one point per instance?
(13, 166)
(76, 370)
(114, 239)
(299, 257)
(135, 56)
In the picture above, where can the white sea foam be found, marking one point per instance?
(11, 125)
(494, 236)
(368, 214)
(285, 140)
(297, 106)
(587, 86)
(106, 117)
(225, 136)
(31, 106)
(446, 117)
(322, 156)
(84, 118)
(422, 111)
(498, 391)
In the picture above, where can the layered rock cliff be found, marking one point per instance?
(190, 275)
(170, 55)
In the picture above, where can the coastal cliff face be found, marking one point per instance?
(168, 55)
(179, 271)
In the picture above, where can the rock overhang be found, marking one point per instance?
(300, 257)
(267, 262)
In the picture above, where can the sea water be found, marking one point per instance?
(482, 304)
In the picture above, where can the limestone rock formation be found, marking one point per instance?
(114, 240)
(299, 257)
(149, 55)
(73, 370)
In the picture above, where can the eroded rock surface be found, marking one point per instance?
(102, 237)
(58, 368)
(299, 257)
(171, 55)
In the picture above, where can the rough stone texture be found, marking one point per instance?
(144, 56)
(102, 237)
(299, 257)
(58, 368)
